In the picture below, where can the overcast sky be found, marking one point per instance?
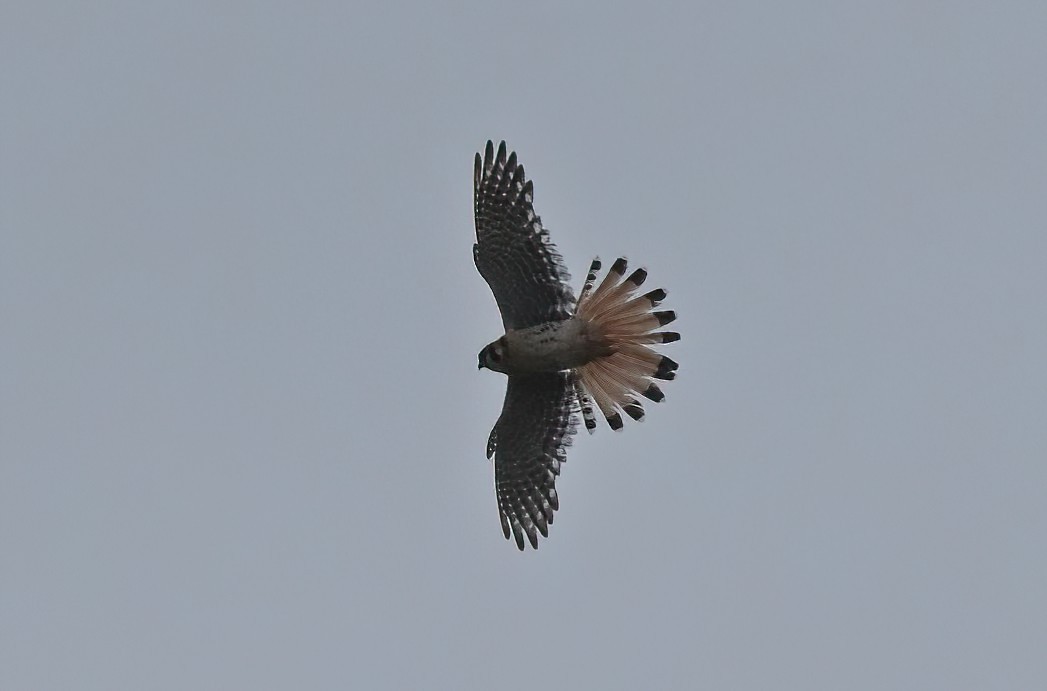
(241, 428)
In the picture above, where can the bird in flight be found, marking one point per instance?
(562, 355)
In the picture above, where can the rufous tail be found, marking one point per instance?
(627, 325)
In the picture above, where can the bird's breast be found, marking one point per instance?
(549, 347)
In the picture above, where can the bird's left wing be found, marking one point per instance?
(513, 251)
(529, 442)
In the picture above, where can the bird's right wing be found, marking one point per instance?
(529, 442)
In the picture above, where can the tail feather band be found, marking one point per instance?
(625, 327)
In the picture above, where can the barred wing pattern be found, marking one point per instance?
(529, 443)
(513, 251)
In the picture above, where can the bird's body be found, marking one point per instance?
(562, 356)
(551, 346)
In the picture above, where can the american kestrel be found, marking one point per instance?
(560, 355)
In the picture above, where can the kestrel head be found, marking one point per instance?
(493, 356)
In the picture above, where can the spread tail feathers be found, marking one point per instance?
(627, 325)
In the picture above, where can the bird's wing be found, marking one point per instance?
(529, 442)
(513, 251)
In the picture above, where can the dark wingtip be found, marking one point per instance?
(590, 423)
(669, 336)
(638, 277)
(615, 421)
(519, 177)
(634, 410)
(619, 266)
(653, 393)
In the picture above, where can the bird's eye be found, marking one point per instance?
(495, 355)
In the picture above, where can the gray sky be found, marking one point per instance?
(241, 427)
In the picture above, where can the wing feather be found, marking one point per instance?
(533, 433)
(513, 251)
